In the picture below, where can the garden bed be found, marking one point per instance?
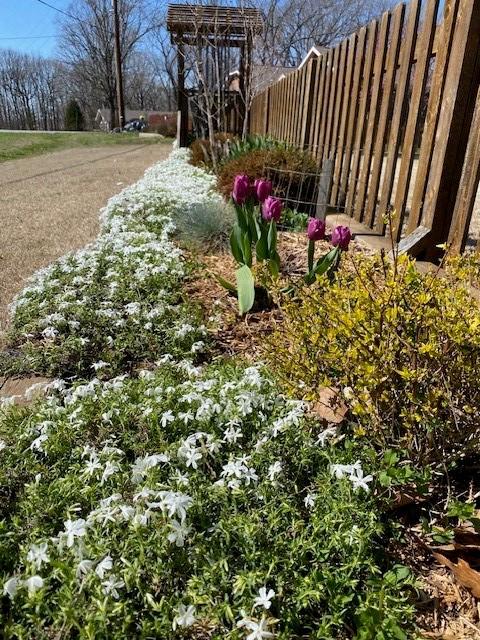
(171, 486)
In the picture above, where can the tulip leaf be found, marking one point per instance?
(236, 243)
(253, 227)
(242, 217)
(262, 245)
(274, 264)
(323, 264)
(246, 289)
(272, 238)
(247, 250)
(225, 284)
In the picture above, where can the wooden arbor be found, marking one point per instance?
(220, 38)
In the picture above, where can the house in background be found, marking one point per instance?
(154, 119)
(314, 52)
(262, 77)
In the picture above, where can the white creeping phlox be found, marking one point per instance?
(175, 500)
(123, 288)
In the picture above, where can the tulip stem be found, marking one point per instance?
(311, 254)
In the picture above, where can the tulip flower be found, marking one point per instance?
(341, 237)
(316, 229)
(263, 188)
(241, 189)
(272, 209)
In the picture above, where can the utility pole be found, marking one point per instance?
(118, 66)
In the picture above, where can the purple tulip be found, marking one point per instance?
(241, 188)
(263, 188)
(316, 229)
(272, 209)
(341, 237)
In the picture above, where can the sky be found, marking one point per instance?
(26, 24)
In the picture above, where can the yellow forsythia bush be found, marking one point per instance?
(403, 348)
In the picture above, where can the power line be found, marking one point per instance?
(51, 6)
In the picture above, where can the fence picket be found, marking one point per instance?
(395, 108)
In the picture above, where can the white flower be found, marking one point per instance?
(343, 470)
(166, 418)
(37, 444)
(309, 500)
(10, 587)
(185, 616)
(232, 434)
(274, 469)
(330, 432)
(49, 332)
(192, 456)
(142, 465)
(3, 445)
(178, 534)
(186, 416)
(360, 481)
(264, 599)
(33, 584)
(259, 630)
(74, 529)
(101, 364)
(38, 554)
(110, 469)
(84, 567)
(92, 466)
(103, 566)
(354, 472)
(111, 586)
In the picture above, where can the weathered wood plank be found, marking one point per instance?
(433, 112)
(451, 140)
(399, 114)
(408, 148)
(374, 110)
(364, 103)
(353, 115)
(352, 52)
(385, 113)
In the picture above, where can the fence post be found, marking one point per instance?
(453, 129)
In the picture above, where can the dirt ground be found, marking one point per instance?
(49, 205)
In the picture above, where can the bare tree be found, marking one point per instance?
(32, 91)
(87, 46)
(293, 26)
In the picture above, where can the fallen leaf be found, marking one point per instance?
(463, 572)
(330, 406)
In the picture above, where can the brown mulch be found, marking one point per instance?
(235, 335)
(446, 609)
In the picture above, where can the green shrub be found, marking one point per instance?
(403, 347)
(74, 120)
(287, 168)
(205, 226)
(186, 488)
(239, 147)
(293, 220)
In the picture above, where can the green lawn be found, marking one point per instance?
(21, 145)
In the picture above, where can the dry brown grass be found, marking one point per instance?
(49, 205)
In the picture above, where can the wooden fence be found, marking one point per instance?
(395, 109)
